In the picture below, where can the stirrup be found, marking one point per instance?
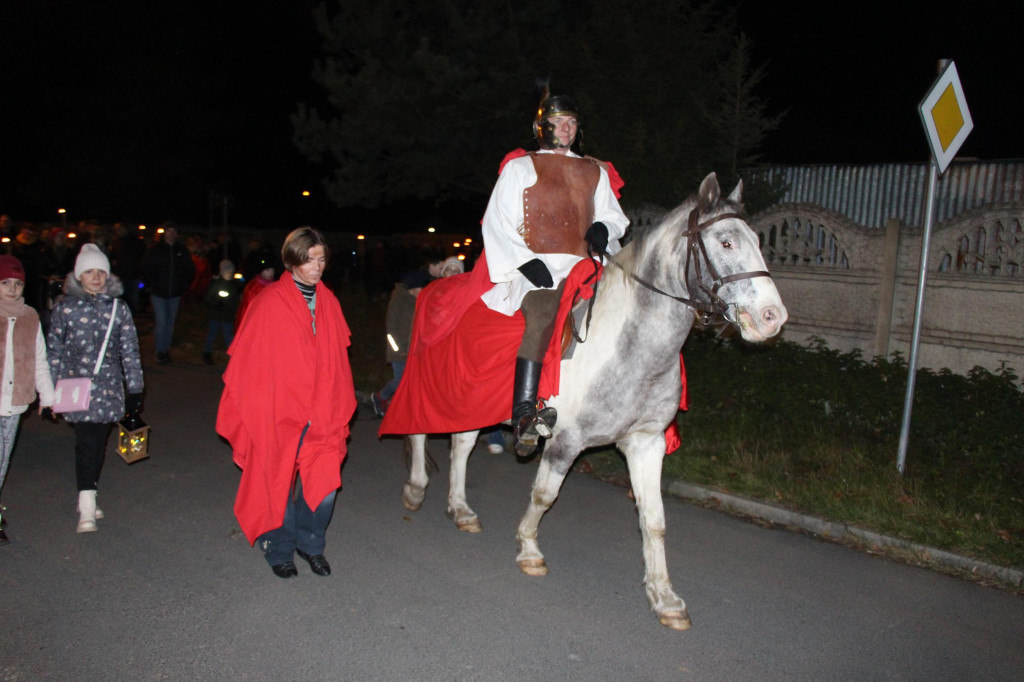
(531, 428)
(545, 421)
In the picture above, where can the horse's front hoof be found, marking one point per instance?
(412, 499)
(466, 522)
(534, 567)
(675, 620)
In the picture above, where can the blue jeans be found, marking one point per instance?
(164, 312)
(397, 368)
(227, 328)
(303, 528)
(495, 436)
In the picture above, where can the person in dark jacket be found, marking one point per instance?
(167, 270)
(400, 313)
(126, 261)
(222, 298)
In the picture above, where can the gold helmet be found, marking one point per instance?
(550, 106)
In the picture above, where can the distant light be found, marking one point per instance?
(360, 236)
(238, 275)
(61, 210)
(159, 230)
(305, 192)
(5, 240)
(353, 253)
(456, 244)
(72, 235)
(468, 241)
(462, 256)
(223, 294)
(142, 227)
(430, 229)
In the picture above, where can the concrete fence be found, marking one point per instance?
(855, 287)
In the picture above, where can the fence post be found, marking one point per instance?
(887, 286)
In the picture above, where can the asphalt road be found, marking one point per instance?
(169, 589)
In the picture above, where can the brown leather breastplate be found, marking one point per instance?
(559, 209)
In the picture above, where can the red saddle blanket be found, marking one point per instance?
(461, 365)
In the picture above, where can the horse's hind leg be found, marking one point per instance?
(545, 490)
(415, 488)
(464, 517)
(644, 454)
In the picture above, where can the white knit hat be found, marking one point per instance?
(452, 262)
(91, 258)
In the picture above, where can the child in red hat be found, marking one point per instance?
(23, 366)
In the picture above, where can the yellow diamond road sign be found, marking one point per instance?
(947, 121)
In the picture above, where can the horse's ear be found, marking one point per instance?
(709, 192)
(737, 194)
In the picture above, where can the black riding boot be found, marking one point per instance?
(529, 425)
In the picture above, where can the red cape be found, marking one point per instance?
(463, 381)
(251, 291)
(280, 377)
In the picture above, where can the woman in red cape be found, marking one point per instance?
(287, 402)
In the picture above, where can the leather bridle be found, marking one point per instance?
(696, 253)
(707, 311)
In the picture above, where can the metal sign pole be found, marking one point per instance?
(915, 340)
(947, 123)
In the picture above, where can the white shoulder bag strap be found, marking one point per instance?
(103, 349)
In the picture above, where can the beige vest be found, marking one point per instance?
(24, 380)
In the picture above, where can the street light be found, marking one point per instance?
(63, 217)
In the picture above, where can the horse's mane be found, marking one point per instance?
(663, 235)
(643, 238)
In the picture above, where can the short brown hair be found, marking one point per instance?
(297, 244)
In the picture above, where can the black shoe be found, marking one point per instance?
(3, 538)
(285, 570)
(208, 358)
(163, 358)
(317, 563)
(378, 404)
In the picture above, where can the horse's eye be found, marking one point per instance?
(726, 244)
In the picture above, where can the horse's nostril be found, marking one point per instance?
(770, 314)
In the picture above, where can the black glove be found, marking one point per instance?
(597, 237)
(49, 415)
(132, 403)
(537, 273)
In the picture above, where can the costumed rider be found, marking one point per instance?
(547, 210)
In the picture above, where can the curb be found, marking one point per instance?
(831, 530)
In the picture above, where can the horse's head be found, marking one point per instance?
(733, 274)
(706, 247)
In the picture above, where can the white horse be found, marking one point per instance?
(622, 385)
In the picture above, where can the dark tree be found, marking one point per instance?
(424, 98)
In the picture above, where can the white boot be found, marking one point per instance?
(99, 512)
(86, 511)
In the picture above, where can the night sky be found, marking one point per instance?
(221, 79)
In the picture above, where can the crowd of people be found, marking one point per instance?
(68, 300)
(68, 316)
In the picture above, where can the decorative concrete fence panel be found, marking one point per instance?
(856, 287)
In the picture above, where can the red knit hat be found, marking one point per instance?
(11, 268)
